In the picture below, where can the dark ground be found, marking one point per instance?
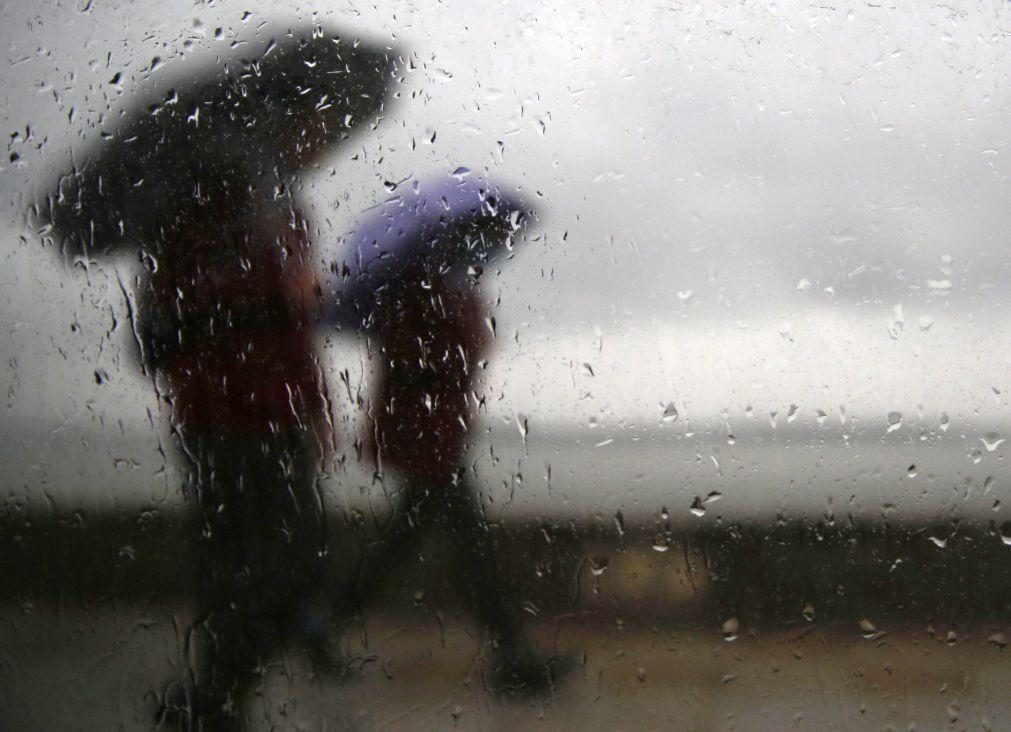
(837, 627)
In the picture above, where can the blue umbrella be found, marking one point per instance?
(440, 227)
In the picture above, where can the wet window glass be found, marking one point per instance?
(425, 366)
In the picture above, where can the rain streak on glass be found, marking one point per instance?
(424, 367)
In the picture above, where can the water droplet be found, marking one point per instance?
(867, 629)
(898, 319)
(808, 612)
(523, 425)
(598, 565)
(729, 629)
(461, 173)
(911, 472)
(1005, 533)
(619, 523)
(670, 413)
(697, 509)
(894, 421)
(991, 441)
(953, 711)
(938, 541)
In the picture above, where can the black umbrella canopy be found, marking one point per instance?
(264, 111)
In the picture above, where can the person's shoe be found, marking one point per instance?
(530, 674)
(174, 709)
(327, 660)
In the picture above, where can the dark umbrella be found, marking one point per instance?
(439, 226)
(233, 122)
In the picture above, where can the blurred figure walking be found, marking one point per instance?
(200, 182)
(412, 280)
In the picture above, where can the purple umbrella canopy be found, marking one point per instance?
(441, 226)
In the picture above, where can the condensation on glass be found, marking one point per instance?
(443, 367)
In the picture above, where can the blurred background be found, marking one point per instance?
(743, 434)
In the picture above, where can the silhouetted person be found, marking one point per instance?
(414, 285)
(201, 182)
(247, 405)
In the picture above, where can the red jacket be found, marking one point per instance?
(231, 299)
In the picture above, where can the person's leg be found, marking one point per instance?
(372, 570)
(223, 659)
(260, 552)
(477, 564)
